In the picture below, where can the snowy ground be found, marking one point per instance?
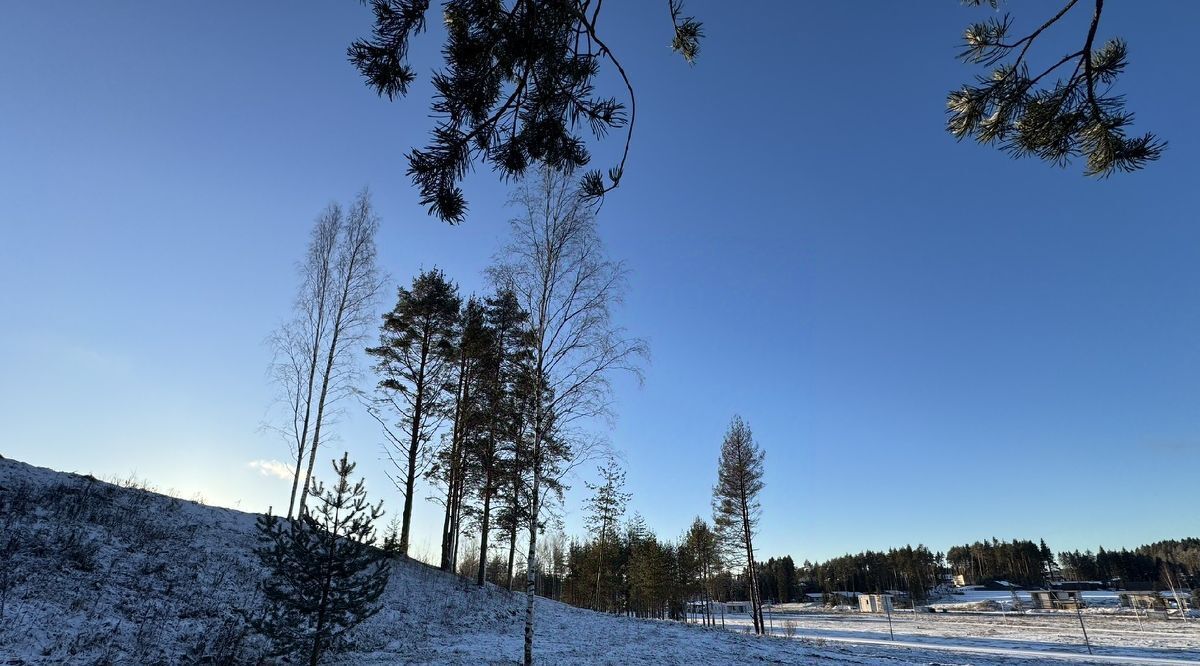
(1119, 639)
(95, 573)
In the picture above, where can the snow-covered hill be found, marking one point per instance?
(92, 572)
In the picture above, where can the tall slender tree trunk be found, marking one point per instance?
(751, 574)
(458, 473)
(322, 609)
(516, 513)
(325, 377)
(531, 567)
(539, 434)
(599, 569)
(444, 564)
(512, 552)
(481, 577)
(302, 441)
(413, 447)
(456, 519)
(448, 526)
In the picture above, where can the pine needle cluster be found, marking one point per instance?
(1047, 113)
(517, 87)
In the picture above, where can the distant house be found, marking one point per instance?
(959, 580)
(875, 603)
(1057, 599)
(737, 606)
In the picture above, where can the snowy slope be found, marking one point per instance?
(91, 572)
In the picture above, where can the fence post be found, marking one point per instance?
(1079, 612)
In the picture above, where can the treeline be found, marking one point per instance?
(1169, 564)
(1020, 562)
(623, 567)
(631, 571)
(919, 571)
(916, 571)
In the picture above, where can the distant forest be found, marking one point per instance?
(633, 572)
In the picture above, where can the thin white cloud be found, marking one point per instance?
(272, 468)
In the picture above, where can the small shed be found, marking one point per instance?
(737, 606)
(875, 603)
(1057, 599)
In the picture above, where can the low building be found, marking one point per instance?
(711, 607)
(1142, 600)
(737, 606)
(1057, 599)
(718, 608)
(875, 603)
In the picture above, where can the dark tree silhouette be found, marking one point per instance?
(736, 507)
(415, 359)
(1028, 112)
(325, 576)
(517, 86)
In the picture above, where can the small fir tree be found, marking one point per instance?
(325, 575)
(391, 538)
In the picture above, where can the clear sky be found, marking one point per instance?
(933, 343)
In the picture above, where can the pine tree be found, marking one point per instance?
(1040, 112)
(325, 575)
(506, 322)
(605, 508)
(415, 351)
(472, 353)
(391, 537)
(517, 90)
(736, 508)
(700, 545)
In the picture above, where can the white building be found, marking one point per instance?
(875, 603)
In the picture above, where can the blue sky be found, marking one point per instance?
(921, 333)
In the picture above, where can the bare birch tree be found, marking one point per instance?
(555, 265)
(298, 343)
(315, 364)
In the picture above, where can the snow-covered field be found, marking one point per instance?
(1120, 639)
(96, 573)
